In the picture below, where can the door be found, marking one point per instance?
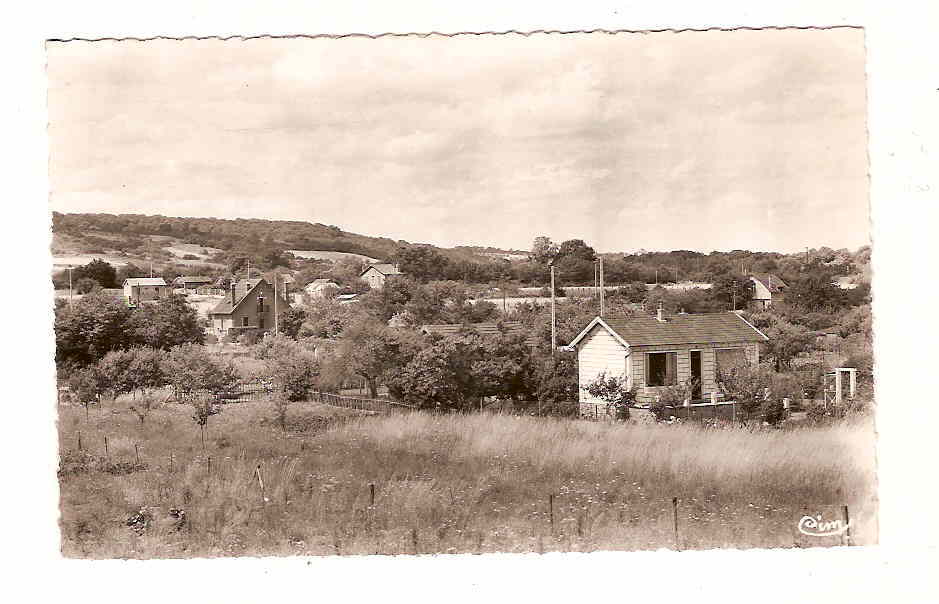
(696, 374)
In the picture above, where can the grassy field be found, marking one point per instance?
(444, 484)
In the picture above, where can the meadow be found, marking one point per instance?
(334, 481)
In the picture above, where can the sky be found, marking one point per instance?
(703, 141)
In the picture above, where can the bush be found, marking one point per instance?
(612, 389)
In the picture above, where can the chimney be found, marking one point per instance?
(660, 314)
(232, 293)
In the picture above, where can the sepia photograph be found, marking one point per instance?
(462, 294)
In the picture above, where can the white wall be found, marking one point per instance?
(599, 352)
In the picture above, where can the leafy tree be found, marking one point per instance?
(815, 292)
(166, 323)
(99, 271)
(543, 250)
(89, 328)
(786, 342)
(441, 375)
(191, 368)
(504, 368)
(86, 285)
(576, 248)
(371, 350)
(290, 320)
(556, 385)
(748, 385)
(294, 373)
(732, 289)
(327, 318)
(421, 262)
(86, 386)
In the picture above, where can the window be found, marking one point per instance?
(661, 369)
(244, 321)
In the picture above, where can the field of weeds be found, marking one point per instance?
(337, 482)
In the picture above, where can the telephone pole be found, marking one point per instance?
(275, 302)
(735, 294)
(554, 334)
(602, 299)
(70, 267)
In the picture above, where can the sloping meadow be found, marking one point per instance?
(338, 482)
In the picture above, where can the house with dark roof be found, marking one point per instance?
(192, 282)
(376, 274)
(655, 352)
(765, 286)
(248, 305)
(483, 329)
(144, 289)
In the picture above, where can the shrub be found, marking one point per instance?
(613, 390)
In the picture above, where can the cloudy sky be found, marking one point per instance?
(695, 140)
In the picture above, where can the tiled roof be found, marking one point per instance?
(704, 328)
(383, 268)
(145, 281)
(771, 282)
(483, 329)
(242, 288)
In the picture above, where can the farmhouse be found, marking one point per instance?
(376, 274)
(764, 286)
(654, 352)
(483, 329)
(321, 288)
(249, 305)
(192, 282)
(144, 289)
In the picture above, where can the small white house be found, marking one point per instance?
(654, 352)
(764, 287)
(144, 289)
(376, 274)
(321, 288)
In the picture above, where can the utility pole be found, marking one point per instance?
(70, 267)
(275, 302)
(601, 287)
(735, 294)
(554, 334)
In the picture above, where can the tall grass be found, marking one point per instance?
(473, 483)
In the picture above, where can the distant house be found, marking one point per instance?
(248, 305)
(483, 329)
(653, 352)
(765, 286)
(376, 274)
(321, 288)
(144, 289)
(192, 282)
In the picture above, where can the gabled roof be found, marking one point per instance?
(384, 268)
(483, 329)
(242, 289)
(134, 281)
(193, 279)
(771, 282)
(320, 283)
(704, 328)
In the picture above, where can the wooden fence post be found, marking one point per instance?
(137, 453)
(371, 495)
(847, 527)
(107, 453)
(260, 483)
(79, 440)
(675, 516)
(551, 511)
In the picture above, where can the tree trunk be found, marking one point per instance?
(372, 387)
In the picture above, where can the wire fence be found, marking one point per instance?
(374, 405)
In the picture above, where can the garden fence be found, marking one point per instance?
(375, 405)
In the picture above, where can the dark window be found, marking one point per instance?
(661, 369)
(244, 321)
